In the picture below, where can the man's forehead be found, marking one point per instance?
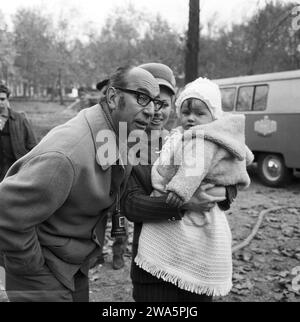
(140, 79)
(2, 94)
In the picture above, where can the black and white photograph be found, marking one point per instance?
(149, 153)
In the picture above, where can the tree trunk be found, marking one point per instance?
(24, 89)
(53, 90)
(192, 47)
(61, 97)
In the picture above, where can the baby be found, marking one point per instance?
(193, 112)
(195, 252)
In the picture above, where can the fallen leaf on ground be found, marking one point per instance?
(297, 256)
(247, 256)
(295, 270)
(238, 277)
(246, 285)
(287, 231)
(283, 282)
(274, 225)
(276, 251)
(238, 286)
(260, 258)
(94, 270)
(259, 236)
(272, 219)
(296, 284)
(95, 277)
(293, 211)
(242, 292)
(257, 265)
(278, 297)
(278, 259)
(257, 250)
(284, 273)
(282, 239)
(259, 279)
(287, 252)
(252, 212)
(248, 268)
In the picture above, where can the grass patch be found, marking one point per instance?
(43, 116)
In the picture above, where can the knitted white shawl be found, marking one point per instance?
(195, 252)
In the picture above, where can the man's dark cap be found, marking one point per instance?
(163, 74)
(102, 84)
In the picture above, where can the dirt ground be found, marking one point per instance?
(263, 271)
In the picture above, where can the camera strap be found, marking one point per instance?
(118, 203)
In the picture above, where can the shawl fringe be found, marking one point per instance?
(190, 286)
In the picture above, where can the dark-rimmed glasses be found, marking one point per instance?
(143, 99)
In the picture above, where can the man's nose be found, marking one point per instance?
(157, 113)
(149, 109)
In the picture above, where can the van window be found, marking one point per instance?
(260, 98)
(228, 96)
(245, 98)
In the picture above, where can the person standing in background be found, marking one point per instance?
(16, 135)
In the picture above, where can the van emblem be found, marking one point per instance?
(265, 127)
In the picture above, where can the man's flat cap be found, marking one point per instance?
(163, 74)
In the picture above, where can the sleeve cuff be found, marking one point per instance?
(178, 215)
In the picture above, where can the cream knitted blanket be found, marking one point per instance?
(195, 253)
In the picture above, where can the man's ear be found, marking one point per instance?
(112, 98)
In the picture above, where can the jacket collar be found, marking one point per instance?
(6, 114)
(11, 114)
(98, 118)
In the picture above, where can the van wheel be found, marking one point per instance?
(272, 170)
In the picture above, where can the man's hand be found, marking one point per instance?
(174, 200)
(205, 198)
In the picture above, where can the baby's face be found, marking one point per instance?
(194, 112)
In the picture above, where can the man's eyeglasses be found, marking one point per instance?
(143, 99)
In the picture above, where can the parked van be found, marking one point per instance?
(271, 103)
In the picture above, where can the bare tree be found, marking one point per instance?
(192, 47)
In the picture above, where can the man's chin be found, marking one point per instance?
(155, 126)
(137, 128)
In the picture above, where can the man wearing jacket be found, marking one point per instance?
(54, 201)
(16, 135)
